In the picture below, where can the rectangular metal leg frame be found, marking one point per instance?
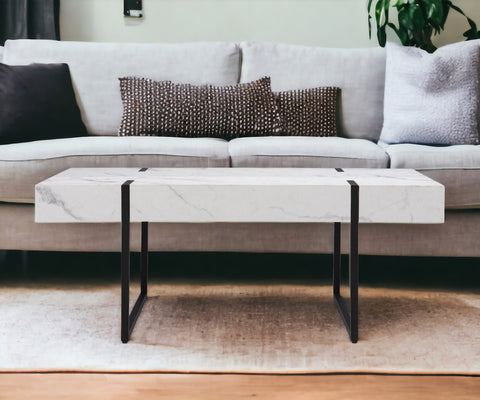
(350, 319)
(129, 319)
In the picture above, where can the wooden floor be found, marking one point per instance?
(54, 386)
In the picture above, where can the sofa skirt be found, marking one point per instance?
(458, 237)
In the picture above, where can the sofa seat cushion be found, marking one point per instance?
(22, 165)
(456, 167)
(306, 152)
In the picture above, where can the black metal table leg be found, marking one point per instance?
(336, 258)
(129, 319)
(353, 261)
(350, 319)
(144, 258)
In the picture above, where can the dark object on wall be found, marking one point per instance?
(29, 19)
(37, 102)
(132, 8)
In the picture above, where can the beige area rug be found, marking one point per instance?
(238, 328)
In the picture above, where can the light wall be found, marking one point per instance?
(332, 23)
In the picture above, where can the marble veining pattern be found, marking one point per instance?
(239, 195)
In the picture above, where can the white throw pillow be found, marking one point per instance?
(432, 98)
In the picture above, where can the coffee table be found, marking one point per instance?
(209, 195)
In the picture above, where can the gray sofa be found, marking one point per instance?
(95, 69)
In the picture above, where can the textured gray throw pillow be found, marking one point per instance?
(168, 109)
(432, 98)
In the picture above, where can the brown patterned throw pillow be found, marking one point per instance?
(168, 109)
(309, 112)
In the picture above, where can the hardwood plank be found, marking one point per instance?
(75, 386)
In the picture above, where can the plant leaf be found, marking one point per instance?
(416, 16)
(369, 6)
(370, 27)
(382, 8)
(446, 11)
(382, 36)
(404, 19)
(379, 10)
(386, 10)
(457, 9)
(434, 12)
(402, 35)
(473, 32)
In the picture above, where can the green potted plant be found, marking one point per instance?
(418, 21)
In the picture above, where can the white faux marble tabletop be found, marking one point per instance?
(239, 195)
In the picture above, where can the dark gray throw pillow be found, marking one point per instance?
(37, 102)
(168, 109)
(309, 112)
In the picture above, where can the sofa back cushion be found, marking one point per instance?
(96, 67)
(360, 73)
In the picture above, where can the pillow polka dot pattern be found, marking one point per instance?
(168, 109)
